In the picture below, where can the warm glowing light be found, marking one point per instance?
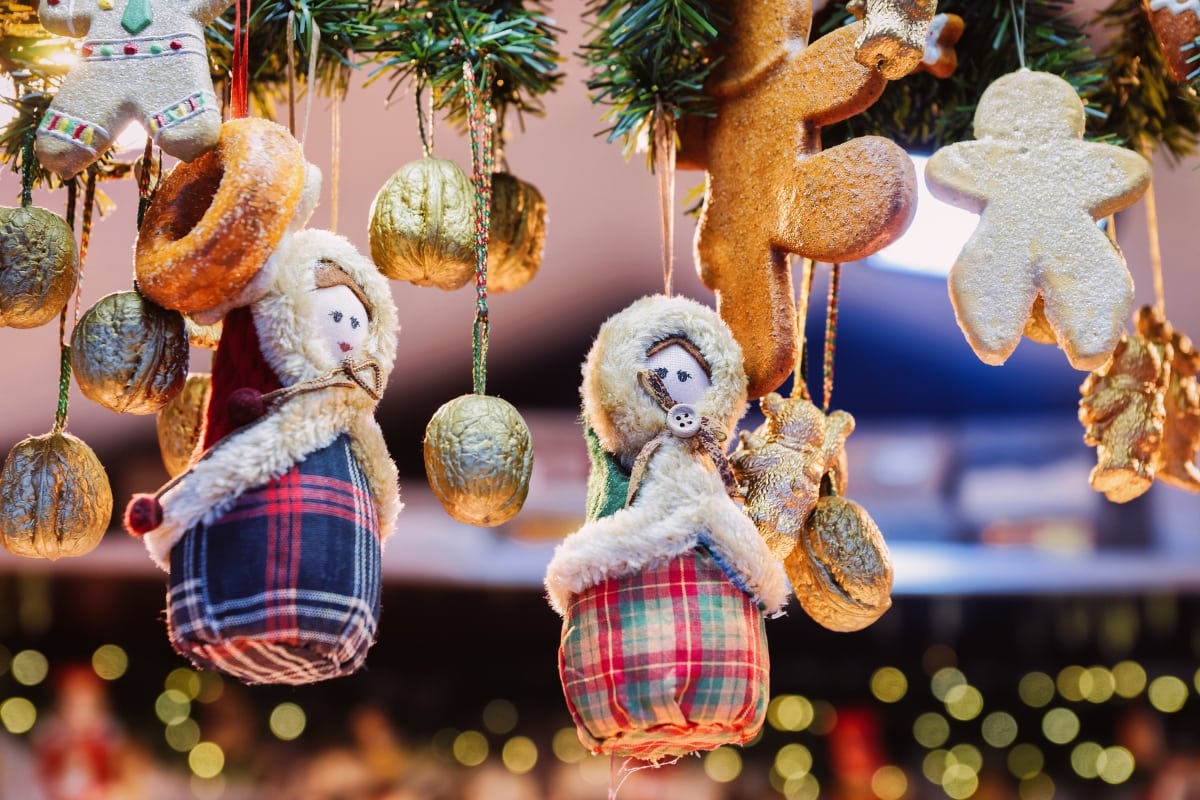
(182, 736)
(889, 783)
(805, 787)
(931, 730)
(206, 760)
(889, 685)
(17, 715)
(723, 765)
(793, 761)
(1129, 679)
(519, 755)
(172, 707)
(595, 771)
(500, 716)
(131, 140)
(470, 748)
(1116, 765)
(287, 721)
(185, 681)
(1060, 725)
(999, 729)
(964, 702)
(29, 667)
(1166, 693)
(1098, 685)
(1036, 689)
(1084, 759)
(933, 240)
(960, 781)
(1036, 787)
(789, 712)
(1069, 683)
(944, 680)
(211, 687)
(567, 747)
(824, 718)
(110, 662)
(1025, 761)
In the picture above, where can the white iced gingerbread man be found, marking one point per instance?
(142, 60)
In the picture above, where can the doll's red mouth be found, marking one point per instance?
(346, 347)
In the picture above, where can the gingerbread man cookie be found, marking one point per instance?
(893, 38)
(142, 60)
(1176, 25)
(1038, 190)
(771, 190)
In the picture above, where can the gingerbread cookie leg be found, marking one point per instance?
(992, 294)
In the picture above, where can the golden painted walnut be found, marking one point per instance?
(1122, 411)
(38, 266)
(780, 466)
(1175, 459)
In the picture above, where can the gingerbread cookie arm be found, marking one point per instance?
(762, 36)
(208, 10)
(65, 19)
(953, 174)
(1121, 178)
(835, 85)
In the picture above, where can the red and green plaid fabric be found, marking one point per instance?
(665, 661)
(284, 587)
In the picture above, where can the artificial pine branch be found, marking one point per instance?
(649, 57)
(1144, 105)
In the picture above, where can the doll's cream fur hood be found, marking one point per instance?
(681, 502)
(302, 424)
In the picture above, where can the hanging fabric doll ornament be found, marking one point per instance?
(272, 537)
(140, 60)
(663, 590)
(39, 265)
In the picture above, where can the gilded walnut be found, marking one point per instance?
(1175, 461)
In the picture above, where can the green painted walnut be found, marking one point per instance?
(423, 225)
(129, 354)
(38, 266)
(478, 457)
(55, 499)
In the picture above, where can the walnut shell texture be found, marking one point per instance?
(129, 354)
(38, 266)
(423, 225)
(478, 457)
(841, 572)
(55, 499)
(517, 235)
(181, 422)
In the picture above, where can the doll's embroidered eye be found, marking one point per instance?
(354, 323)
(683, 375)
(661, 371)
(337, 316)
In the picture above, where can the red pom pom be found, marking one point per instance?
(244, 406)
(143, 514)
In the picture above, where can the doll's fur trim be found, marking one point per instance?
(265, 450)
(621, 413)
(680, 505)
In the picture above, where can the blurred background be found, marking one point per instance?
(1044, 642)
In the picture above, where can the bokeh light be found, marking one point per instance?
(793, 761)
(185, 681)
(1098, 685)
(567, 747)
(999, 729)
(500, 716)
(17, 715)
(1060, 725)
(172, 707)
(723, 765)
(1167, 693)
(1129, 679)
(824, 718)
(806, 787)
(933, 766)
(967, 755)
(931, 730)
(1025, 761)
(889, 685)
(1036, 787)
(470, 748)
(889, 783)
(182, 736)
(29, 667)
(1068, 683)
(519, 754)
(110, 661)
(206, 760)
(789, 712)
(1036, 689)
(1116, 765)
(960, 781)
(212, 685)
(945, 679)
(287, 721)
(1084, 759)
(964, 702)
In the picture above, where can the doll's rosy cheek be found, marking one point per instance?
(339, 320)
(682, 374)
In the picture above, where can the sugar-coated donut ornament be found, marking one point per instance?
(1176, 26)
(478, 459)
(129, 354)
(422, 226)
(893, 40)
(517, 234)
(667, 570)
(38, 266)
(771, 190)
(139, 61)
(180, 423)
(214, 222)
(55, 500)
(1038, 190)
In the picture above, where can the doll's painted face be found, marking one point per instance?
(682, 373)
(339, 320)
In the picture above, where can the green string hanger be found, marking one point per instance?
(479, 103)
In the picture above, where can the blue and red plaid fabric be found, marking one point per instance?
(665, 661)
(284, 588)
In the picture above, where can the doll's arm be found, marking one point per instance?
(69, 18)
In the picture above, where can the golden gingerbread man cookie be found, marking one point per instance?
(893, 38)
(771, 190)
(1038, 190)
(139, 60)
(1176, 26)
